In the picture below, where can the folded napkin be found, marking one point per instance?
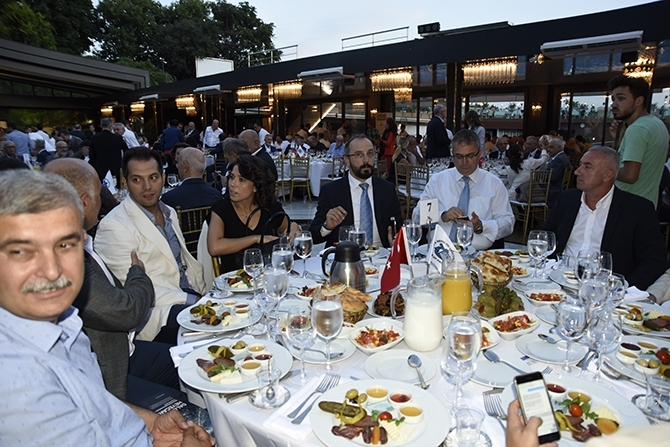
(179, 352)
(279, 422)
(634, 294)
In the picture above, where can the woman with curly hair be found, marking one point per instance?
(518, 171)
(238, 220)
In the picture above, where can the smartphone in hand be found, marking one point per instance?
(534, 399)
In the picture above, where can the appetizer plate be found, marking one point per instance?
(223, 280)
(630, 371)
(429, 432)
(518, 333)
(629, 415)
(638, 329)
(195, 377)
(393, 365)
(372, 313)
(337, 345)
(555, 295)
(299, 294)
(527, 284)
(380, 324)
(537, 349)
(546, 314)
(497, 375)
(185, 319)
(295, 286)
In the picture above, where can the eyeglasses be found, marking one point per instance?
(469, 157)
(361, 155)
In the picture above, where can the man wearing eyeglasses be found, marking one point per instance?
(358, 199)
(467, 192)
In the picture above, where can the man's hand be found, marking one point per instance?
(135, 260)
(390, 236)
(334, 217)
(451, 214)
(520, 434)
(172, 430)
(476, 222)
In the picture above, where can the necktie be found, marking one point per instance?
(463, 202)
(366, 213)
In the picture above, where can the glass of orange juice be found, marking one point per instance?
(456, 292)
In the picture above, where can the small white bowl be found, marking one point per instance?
(646, 370)
(377, 393)
(535, 302)
(399, 398)
(256, 348)
(626, 357)
(630, 347)
(517, 333)
(412, 413)
(377, 324)
(250, 367)
(241, 350)
(554, 391)
(524, 259)
(263, 358)
(230, 303)
(242, 313)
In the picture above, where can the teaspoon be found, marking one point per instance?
(415, 362)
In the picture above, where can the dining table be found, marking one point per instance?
(242, 424)
(319, 169)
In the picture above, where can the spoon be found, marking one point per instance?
(415, 362)
(494, 358)
(548, 339)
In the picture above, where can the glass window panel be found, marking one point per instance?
(500, 113)
(440, 74)
(660, 106)
(76, 94)
(616, 64)
(588, 115)
(597, 63)
(61, 93)
(406, 113)
(425, 75)
(5, 87)
(22, 89)
(663, 54)
(311, 116)
(355, 113)
(567, 66)
(42, 91)
(521, 68)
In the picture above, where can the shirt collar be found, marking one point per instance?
(353, 182)
(44, 334)
(605, 201)
(473, 177)
(161, 206)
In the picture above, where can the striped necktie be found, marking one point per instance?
(463, 202)
(366, 213)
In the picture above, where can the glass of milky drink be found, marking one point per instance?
(423, 313)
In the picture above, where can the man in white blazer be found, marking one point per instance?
(144, 224)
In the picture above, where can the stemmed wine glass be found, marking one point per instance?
(572, 318)
(587, 264)
(282, 256)
(328, 316)
(300, 332)
(303, 245)
(465, 232)
(253, 264)
(413, 232)
(551, 242)
(615, 289)
(605, 262)
(538, 245)
(275, 285)
(458, 363)
(593, 292)
(605, 334)
(653, 403)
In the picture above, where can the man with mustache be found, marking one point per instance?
(52, 388)
(357, 199)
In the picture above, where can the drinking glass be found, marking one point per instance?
(275, 283)
(253, 264)
(303, 245)
(605, 334)
(458, 363)
(343, 234)
(572, 318)
(172, 180)
(652, 403)
(587, 264)
(413, 232)
(300, 332)
(328, 316)
(615, 289)
(538, 245)
(358, 236)
(593, 292)
(468, 426)
(282, 256)
(551, 241)
(605, 260)
(464, 234)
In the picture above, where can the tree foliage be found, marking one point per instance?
(73, 21)
(158, 76)
(21, 23)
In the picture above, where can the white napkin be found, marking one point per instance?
(666, 304)
(634, 294)
(278, 421)
(184, 349)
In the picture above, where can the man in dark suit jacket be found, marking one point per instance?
(436, 133)
(193, 192)
(598, 216)
(250, 137)
(106, 150)
(558, 163)
(336, 202)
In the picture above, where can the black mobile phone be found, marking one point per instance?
(534, 398)
(462, 218)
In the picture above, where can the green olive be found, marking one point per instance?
(643, 363)
(240, 345)
(654, 363)
(362, 398)
(638, 317)
(352, 394)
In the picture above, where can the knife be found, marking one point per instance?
(230, 398)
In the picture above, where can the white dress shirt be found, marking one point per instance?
(587, 231)
(211, 137)
(488, 199)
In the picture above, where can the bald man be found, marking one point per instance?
(250, 137)
(194, 192)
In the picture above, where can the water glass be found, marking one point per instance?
(468, 425)
(616, 289)
(268, 394)
(300, 332)
(358, 236)
(303, 245)
(538, 245)
(605, 334)
(605, 261)
(458, 363)
(343, 234)
(593, 292)
(253, 263)
(551, 241)
(587, 264)
(572, 318)
(413, 233)
(282, 256)
(327, 316)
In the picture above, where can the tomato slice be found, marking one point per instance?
(576, 410)
(385, 416)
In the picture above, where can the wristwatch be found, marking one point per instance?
(480, 230)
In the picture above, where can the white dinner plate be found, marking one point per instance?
(193, 376)
(392, 365)
(629, 415)
(337, 345)
(637, 329)
(430, 431)
(295, 286)
(185, 319)
(630, 371)
(373, 284)
(527, 284)
(537, 303)
(497, 375)
(227, 275)
(533, 346)
(558, 276)
(546, 314)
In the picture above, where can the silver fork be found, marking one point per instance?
(323, 386)
(490, 408)
(496, 400)
(332, 384)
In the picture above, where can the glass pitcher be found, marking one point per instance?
(423, 317)
(457, 285)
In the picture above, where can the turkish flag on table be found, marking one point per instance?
(399, 255)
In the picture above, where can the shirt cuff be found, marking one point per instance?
(324, 231)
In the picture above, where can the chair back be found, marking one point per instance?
(567, 178)
(204, 257)
(382, 168)
(191, 221)
(418, 179)
(300, 168)
(538, 192)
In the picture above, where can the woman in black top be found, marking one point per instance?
(237, 221)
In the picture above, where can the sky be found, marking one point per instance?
(318, 27)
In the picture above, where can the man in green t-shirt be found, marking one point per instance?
(644, 147)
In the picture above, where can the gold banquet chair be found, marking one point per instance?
(191, 221)
(402, 185)
(536, 205)
(300, 175)
(418, 179)
(567, 178)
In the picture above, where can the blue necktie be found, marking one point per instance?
(366, 213)
(463, 203)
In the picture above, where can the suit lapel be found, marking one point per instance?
(346, 198)
(100, 270)
(377, 195)
(616, 207)
(148, 229)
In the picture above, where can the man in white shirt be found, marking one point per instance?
(487, 205)
(600, 217)
(261, 132)
(127, 135)
(211, 137)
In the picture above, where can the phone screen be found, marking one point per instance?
(534, 399)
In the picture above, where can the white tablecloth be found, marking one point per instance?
(319, 169)
(241, 424)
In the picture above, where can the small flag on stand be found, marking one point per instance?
(399, 255)
(439, 244)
